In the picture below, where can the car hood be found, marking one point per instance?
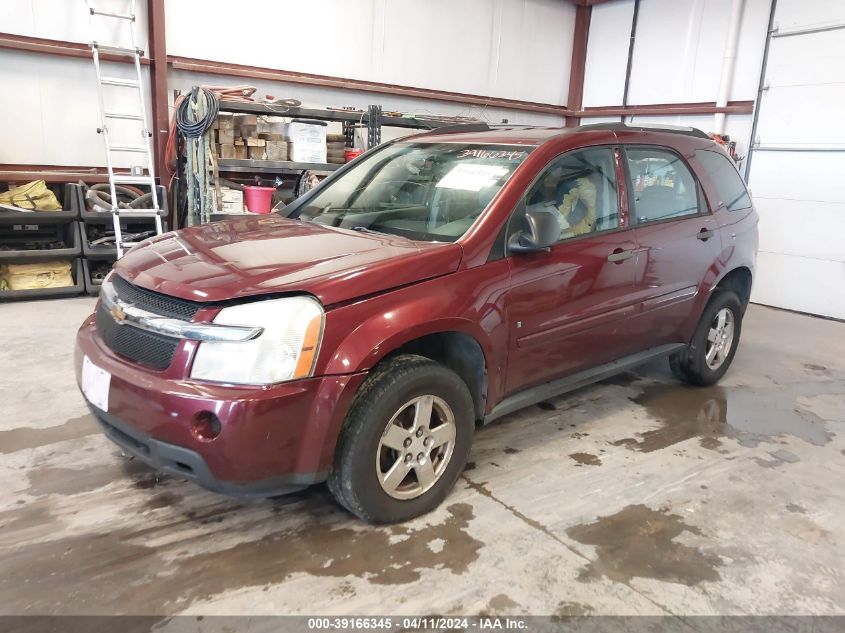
(253, 256)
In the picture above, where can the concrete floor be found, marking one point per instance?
(635, 496)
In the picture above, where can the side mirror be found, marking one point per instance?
(540, 231)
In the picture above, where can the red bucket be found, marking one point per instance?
(258, 199)
(351, 154)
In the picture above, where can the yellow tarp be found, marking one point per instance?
(34, 276)
(34, 195)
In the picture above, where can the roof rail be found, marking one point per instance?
(459, 127)
(648, 127)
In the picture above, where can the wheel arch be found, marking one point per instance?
(738, 280)
(458, 351)
(458, 344)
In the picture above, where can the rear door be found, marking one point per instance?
(567, 308)
(731, 204)
(678, 239)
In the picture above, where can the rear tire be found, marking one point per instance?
(405, 441)
(714, 343)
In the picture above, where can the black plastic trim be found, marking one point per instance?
(188, 464)
(558, 387)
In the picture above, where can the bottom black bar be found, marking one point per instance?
(526, 624)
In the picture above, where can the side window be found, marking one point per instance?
(581, 186)
(729, 185)
(663, 186)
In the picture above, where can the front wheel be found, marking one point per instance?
(714, 344)
(405, 441)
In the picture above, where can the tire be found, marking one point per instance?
(388, 412)
(691, 365)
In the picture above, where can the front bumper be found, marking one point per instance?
(188, 464)
(273, 439)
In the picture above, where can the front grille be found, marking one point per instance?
(153, 301)
(140, 346)
(146, 348)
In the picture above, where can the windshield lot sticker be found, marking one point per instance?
(491, 153)
(472, 177)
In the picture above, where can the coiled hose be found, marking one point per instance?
(187, 111)
(98, 198)
(194, 117)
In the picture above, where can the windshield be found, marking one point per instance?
(422, 191)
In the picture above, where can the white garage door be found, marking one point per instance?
(797, 171)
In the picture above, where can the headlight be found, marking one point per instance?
(285, 350)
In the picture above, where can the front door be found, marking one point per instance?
(567, 308)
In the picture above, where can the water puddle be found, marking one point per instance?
(749, 415)
(586, 459)
(640, 542)
(18, 439)
(91, 573)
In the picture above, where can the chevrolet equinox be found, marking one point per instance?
(435, 283)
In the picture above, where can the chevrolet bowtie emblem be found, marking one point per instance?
(118, 314)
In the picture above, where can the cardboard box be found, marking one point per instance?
(306, 132)
(231, 200)
(307, 152)
(228, 194)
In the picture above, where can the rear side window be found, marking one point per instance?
(663, 185)
(732, 192)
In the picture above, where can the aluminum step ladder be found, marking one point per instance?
(144, 147)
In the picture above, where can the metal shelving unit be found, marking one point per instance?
(348, 116)
(373, 118)
(249, 165)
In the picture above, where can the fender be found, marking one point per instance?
(359, 335)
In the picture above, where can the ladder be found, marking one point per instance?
(144, 147)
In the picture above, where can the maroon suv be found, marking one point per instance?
(435, 283)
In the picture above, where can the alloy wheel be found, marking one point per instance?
(416, 447)
(720, 338)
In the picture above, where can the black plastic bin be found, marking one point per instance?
(14, 237)
(92, 287)
(49, 293)
(99, 215)
(127, 225)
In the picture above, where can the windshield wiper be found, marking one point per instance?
(366, 229)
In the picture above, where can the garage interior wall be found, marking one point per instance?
(676, 58)
(516, 50)
(797, 174)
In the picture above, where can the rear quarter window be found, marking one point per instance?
(729, 185)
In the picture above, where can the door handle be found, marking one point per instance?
(619, 255)
(705, 234)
